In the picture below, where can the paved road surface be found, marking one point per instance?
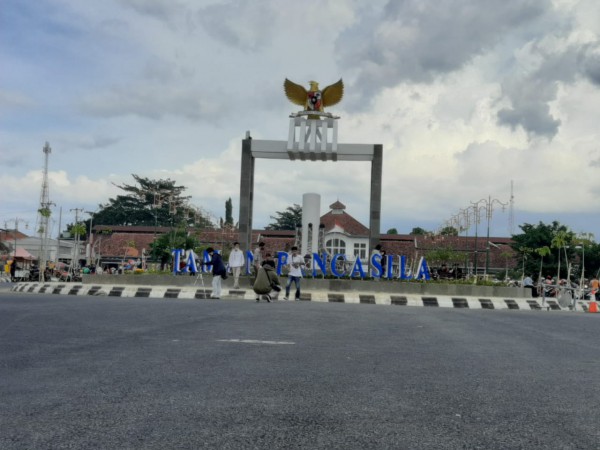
(89, 372)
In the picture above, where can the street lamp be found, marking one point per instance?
(90, 254)
(489, 208)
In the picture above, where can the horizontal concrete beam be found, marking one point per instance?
(267, 149)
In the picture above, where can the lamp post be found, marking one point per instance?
(489, 209)
(90, 254)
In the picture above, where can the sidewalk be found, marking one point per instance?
(321, 296)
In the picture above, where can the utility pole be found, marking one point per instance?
(76, 256)
(44, 213)
(58, 238)
(511, 211)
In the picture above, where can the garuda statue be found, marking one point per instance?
(314, 99)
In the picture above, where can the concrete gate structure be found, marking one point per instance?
(309, 139)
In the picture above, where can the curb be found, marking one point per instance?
(184, 292)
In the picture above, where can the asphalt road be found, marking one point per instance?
(113, 373)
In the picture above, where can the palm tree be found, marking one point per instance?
(542, 251)
(559, 241)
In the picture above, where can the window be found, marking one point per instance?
(360, 250)
(335, 246)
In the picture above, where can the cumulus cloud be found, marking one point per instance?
(417, 41)
(155, 101)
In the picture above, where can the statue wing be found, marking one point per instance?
(295, 93)
(333, 93)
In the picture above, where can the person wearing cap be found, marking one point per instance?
(219, 272)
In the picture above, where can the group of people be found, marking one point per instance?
(265, 280)
(549, 288)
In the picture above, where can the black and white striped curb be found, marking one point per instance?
(193, 292)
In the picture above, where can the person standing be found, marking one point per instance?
(528, 284)
(258, 256)
(295, 263)
(219, 272)
(594, 289)
(236, 262)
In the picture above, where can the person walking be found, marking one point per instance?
(219, 272)
(295, 263)
(236, 262)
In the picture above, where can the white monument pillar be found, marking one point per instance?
(311, 218)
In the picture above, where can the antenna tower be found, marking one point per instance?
(44, 212)
(511, 211)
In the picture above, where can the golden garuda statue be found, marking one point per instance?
(314, 99)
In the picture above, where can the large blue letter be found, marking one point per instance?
(334, 271)
(191, 262)
(282, 258)
(207, 262)
(320, 261)
(176, 259)
(423, 271)
(358, 268)
(389, 261)
(249, 261)
(402, 269)
(376, 264)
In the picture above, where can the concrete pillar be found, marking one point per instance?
(375, 203)
(311, 214)
(246, 195)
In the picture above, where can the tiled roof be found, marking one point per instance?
(345, 221)
(337, 205)
(131, 229)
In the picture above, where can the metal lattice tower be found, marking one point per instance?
(44, 212)
(511, 211)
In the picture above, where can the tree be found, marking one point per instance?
(161, 248)
(449, 231)
(288, 219)
(228, 212)
(443, 255)
(534, 237)
(75, 229)
(151, 203)
(418, 231)
(542, 251)
(559, 241)
(392, 231)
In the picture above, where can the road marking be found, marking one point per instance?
(253, 341)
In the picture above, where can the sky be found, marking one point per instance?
(468, 98)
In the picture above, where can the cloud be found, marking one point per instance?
(153, 100)
(159, 9)
(416, 41)
(247, 26)
(591, 63)
(15, 100)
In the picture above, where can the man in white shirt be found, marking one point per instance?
(295, 263)
(236, 262)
